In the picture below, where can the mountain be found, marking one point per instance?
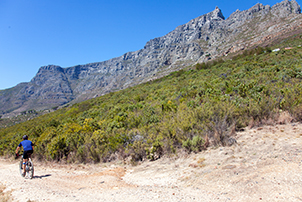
(202, 39)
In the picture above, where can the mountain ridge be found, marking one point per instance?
(200, 40)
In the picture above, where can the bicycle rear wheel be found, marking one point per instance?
(30, 169)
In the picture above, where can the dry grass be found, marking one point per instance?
(284, 118)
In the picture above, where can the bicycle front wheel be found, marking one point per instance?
(20, 167)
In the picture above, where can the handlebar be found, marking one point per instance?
(17, 155)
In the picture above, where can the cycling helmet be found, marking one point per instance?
(25, 137)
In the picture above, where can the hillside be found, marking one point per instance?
(202, 39)
(188, 110)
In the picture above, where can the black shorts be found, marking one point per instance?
(27, 154)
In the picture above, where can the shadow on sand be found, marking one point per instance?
(42, 176)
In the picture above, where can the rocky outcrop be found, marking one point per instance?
(204, 38)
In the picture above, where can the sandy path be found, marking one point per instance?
(67, 184)
(265, 165)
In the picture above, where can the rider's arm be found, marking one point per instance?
(17, 149)
(32, 145)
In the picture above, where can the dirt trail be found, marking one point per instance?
(265, 165)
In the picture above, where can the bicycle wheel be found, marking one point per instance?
(30, 169)
(20, 167)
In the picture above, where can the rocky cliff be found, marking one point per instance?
(200, 40)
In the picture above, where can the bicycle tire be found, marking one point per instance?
(30, 169)
(20, 167)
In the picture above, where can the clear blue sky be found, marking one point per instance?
(34, 33)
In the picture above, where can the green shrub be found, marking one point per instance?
(201, 66)
(195, 144)
(156, 151)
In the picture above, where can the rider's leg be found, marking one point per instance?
(24, 165)
(26, 155)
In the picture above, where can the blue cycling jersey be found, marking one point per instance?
(27, 145)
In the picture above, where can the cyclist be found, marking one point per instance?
(28, 150)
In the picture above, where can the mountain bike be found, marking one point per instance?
(29, 170)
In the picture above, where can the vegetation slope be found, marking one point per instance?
(187, 110)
